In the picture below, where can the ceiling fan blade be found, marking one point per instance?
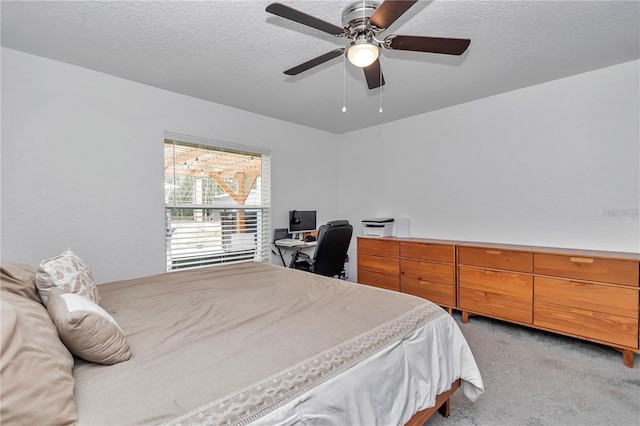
(447, 46)
(390, 10)
(373, 74)
(302, 18)
(314, 62)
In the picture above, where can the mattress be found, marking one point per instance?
(257, 343)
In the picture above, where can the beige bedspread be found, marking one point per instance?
(229, 344)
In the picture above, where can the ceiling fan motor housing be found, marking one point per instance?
(363, 49)
(355, 17)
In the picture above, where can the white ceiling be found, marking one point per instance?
(234, 53)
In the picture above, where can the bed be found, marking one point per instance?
(253, 343)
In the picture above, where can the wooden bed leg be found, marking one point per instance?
(627, 357)
(445, 409)
(465, 317)
(443, 406)
(450, 310)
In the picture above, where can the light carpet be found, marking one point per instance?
(532, 378)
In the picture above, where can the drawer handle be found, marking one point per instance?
(493, 251)
(581, 259)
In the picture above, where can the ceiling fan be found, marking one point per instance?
(363, 21)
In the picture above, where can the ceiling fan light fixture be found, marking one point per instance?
(362, 53)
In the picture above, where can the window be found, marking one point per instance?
(217, 202)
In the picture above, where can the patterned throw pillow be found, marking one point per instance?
(70, 273)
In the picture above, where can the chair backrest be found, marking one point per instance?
(331, 250)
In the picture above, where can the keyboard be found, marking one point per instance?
(289, 242)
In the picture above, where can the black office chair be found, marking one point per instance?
(331, 250)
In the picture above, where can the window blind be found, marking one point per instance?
(217, 202)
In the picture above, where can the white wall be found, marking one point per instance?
(82, 164)
(534, 166)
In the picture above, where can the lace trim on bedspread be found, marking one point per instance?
(252, 402)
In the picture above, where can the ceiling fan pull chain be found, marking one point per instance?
(380, 89)
(344, 83)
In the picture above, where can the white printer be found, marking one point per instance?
(378, 227)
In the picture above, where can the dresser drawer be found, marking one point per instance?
(594, 297)
(376, 279)
(427, 251)
(510, 260)
(441, 294)
(428, 271)
(585, 323)
(375, 263)
(507, 283)
(496, 305)
(379, 246)
(587, 268)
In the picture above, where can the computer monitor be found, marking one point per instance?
(302, 221)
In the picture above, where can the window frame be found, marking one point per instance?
(228, 246)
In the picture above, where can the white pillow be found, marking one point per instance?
(70, 273)
(87, 330)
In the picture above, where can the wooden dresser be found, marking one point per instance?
(421, 267)
(591, 295)
(379, 262)
(496, 282)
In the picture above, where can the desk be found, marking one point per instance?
(295, 249)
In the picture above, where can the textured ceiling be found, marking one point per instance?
(234, 53)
